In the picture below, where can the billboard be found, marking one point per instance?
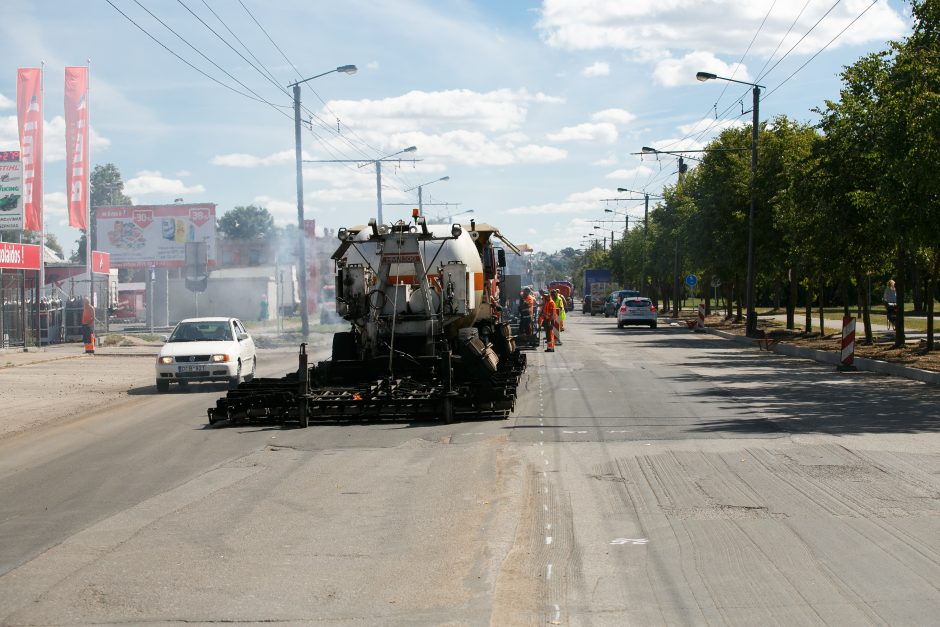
(11, 191)
(100, 262)
(154, 235)
(19, 256)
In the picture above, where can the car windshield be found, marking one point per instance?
(214, 331)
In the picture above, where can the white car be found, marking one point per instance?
(636, 310)
(206, 349)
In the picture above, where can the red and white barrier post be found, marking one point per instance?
(847, 362)
(700, 323)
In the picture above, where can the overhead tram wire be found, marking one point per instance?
(333, 151)
(719, 116)
(243, 45)
(820, 51)
(748, 49)
(267, 76)
(200, 53)
(805, 35)
(200, 71)
(760, 73)
(307, 85)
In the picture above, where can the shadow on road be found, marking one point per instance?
(798, 395)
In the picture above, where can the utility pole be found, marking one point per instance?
(378, 172)
(675, 266)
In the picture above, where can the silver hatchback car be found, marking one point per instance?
(636, 310)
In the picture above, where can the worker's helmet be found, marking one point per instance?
(554, 292)
(526, 291)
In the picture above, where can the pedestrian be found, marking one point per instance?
(263, 315)
(890, 299)
(88, 325)
(547, 319)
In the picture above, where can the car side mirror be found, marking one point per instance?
(164, 338)
(242, 337)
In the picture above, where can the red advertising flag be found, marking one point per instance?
(29, 118)
(76, 144)
(100, 262)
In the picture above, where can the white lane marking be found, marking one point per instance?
(541, 432)
(548, 572)
(548, 526)
(557, 617)
(546, 461)
(545, 507)
(574, 431)
(546, 490)
(569, 389)
(630, 541)
(548, 539)
(620, 431)
(541, 443)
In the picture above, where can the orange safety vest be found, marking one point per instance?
(88, 314)
(549, 310)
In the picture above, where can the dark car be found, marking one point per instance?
(612, 304)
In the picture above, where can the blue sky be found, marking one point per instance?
(531, 108)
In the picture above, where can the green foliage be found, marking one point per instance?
(107, 189)
(246, 223)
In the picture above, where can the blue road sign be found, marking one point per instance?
(691, 280)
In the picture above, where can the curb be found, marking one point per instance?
(832, 358)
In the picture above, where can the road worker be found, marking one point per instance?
(526, 313)
(88, 326)
(560, 303)
(547, 319)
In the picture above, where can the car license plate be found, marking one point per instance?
(192, 368)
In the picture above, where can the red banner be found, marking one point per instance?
(100, 262)
(29, 118)
(76, 144)
(20, 256)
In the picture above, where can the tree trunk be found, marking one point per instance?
(845, 297)
(822, 317)
(931, 287)
(864, 311)
(901, 274)
(916, 292)
(791, 301)
(737, 293)
(809, 310)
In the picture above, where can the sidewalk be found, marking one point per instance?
(11, 357)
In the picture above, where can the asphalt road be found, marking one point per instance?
(646, 477)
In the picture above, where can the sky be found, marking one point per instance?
(535, 110)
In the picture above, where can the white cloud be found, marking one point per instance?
(718, 26)
(499, 110)
(372, 65)
(578, 202)
(588, 132)
(152, 183)
(609, 160)
(540, 154)
(712, 127)
(244, 160)
(621, 117)
(624, 174)
(6, 103)
(9, 135)
(183, 173)
(55, 209)
(671, 72)
(598, 68)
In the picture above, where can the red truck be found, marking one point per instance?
(566, 289)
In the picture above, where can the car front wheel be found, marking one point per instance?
(652, 325)
(163, 385)
(234, 381)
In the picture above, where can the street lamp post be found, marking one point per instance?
(751, 322)
(626, 219)
(419, 187)
(298, 150)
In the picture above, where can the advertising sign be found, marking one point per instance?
(29, 120)
(154, 235)
(100, 262)
(19, 256)
(76, 144)
(11, 191)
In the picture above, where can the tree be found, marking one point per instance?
(246, 223)
(107, 189)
